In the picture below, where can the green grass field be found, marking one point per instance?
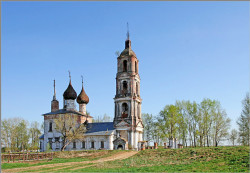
(209, 159)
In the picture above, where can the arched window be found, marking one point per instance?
(124, 110)
(124, 88)
(136, 70)
(125, 66)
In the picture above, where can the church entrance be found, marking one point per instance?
(119, 147)
(120, 144)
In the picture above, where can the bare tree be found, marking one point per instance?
(70, 128)
(34, 132)
(221, 124)
(233, 136)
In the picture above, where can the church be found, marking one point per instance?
(126, 130)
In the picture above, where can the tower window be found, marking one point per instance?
(50, 127)
(74, 144)
(125, 87)
(136, 70)
(124, 110)
(125, 66)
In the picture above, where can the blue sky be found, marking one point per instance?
(186, 51)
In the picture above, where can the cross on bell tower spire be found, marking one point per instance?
(128, 42)
(127, 32)
(69, 77)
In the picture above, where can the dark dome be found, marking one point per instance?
(69, 93)
(82, 97)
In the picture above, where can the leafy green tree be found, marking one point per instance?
(15, 134)
(192, 121)
(182, 121)
(207, 107)
(244, 122)
(168, 121)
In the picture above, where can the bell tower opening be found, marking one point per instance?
(125, 67)
(124, 88)
(124, 110)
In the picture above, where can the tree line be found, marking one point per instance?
(18, 134)
(197, 124)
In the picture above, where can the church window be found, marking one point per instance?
(136, 70)
(102, 144)
(83, 144)
(40, 145)
(74, 144)
(50, 127)
(125, 66)
(92, 144)
(57, 139)
(124, 110)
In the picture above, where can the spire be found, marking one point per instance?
(127, 42)
(54, 96)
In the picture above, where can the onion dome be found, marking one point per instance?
(82, 97)
(69, 93)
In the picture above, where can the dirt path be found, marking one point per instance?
(80, 165)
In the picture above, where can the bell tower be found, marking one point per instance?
(127, 119)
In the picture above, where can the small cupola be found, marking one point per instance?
(69, 96)
(69, 93)
(82, 100)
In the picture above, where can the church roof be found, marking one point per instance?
(64, 111)
(98, 127)
(128, 52)
(41, 137)
(69, 93)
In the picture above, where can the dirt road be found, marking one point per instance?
(78, 165)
